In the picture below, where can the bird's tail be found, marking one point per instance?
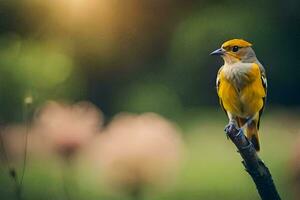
(251, 132)
(252, 135)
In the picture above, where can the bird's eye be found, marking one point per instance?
(235, 48)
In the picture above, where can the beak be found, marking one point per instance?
(218, 52)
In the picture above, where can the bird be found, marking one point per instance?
(241, 87)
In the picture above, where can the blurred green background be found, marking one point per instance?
(140, 56)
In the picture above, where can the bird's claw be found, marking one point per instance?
(229, 128)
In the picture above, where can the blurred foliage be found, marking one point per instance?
(123, 56)
(31, 68)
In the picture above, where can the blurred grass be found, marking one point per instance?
(211, 169)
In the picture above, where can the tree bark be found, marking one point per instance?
(255, 167)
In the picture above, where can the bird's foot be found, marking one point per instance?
(231, 127)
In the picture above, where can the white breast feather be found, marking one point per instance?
(237, 73)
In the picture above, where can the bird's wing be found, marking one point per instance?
(218, 82)
(265, 85)
(218, 79)
(263, 76)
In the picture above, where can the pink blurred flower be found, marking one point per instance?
(138, 150)
(68, 127)
(14, 137)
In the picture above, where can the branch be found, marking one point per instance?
(254, 165)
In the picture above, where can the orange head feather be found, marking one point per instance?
(236, 42)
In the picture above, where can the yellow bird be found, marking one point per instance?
(241, 87)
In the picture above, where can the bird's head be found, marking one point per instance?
(236, 50)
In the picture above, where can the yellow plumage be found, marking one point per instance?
(246, 102)
(241, 86)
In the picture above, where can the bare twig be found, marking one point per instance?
(18, 188)
(254, 165)
(11, 170)
(26, 119)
